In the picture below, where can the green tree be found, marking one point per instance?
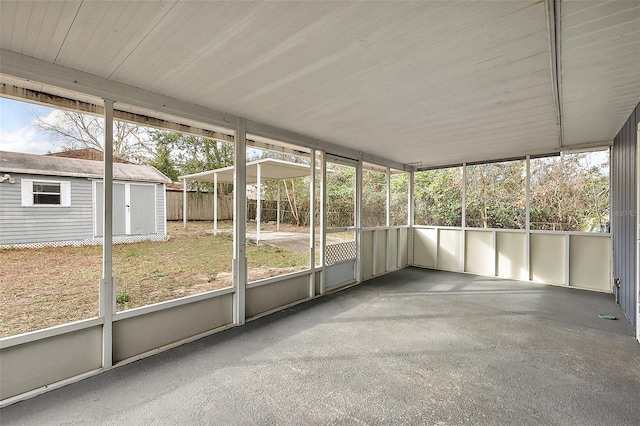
(569, 192)
(398, 214)
(341, 181)
(438, 197)
(188, 154)
(374, 198)
(496, 195)
(163, 162)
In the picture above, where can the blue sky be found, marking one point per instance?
(17, 132)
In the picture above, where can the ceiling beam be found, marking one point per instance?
(287, 136)
(61, 102)
(32, 69)
(28, 69)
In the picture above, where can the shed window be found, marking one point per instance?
(46, 193)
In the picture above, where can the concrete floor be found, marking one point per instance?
(412, 347)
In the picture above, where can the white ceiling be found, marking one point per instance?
(431, 82)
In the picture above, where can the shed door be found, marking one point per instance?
(134, 209)
(119, 219)
(142, 209)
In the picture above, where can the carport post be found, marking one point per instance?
(184, 203)
(215, 204)
(107, 289)
(258, 201)
(278, 208)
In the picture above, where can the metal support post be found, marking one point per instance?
(215, 204)
(258, 201)
(387, 256)
(358, 221)
(312, 223)
(323, 220)
(107, 302)
(278, 208)
(410, 219)
(527, 226)
(184, 203)
(240, 222)
(388, 215)
(464, 217)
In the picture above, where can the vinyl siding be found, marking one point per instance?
(19, 225)
(160, 210)
(624, 212)
(43, 224)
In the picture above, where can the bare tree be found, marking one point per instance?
(74, 131)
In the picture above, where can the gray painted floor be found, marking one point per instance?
(412, 347)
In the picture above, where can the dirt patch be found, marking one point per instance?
(41, 288)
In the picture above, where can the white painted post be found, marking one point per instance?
(435, 255)
(258, 201)
(278, 207)
(358, 221)
(107, 300)
(240, 222)
(567, 259)
(387, 255)
(637, 212)
(464, 216)
(184, 203)
(410, 219)
(215, 204)
(374, 261)
(494, 244)
(323, 220)
(398, 244)
(388, 216)
(312, 223)
(527, 227)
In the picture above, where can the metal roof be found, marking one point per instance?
(415, 82)
(270, 169)
(16, 162)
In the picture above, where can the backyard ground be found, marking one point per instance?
(41, 288)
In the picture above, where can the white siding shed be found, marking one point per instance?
(49, 200)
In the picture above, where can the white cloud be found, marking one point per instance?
(29, 139)
(53, 117)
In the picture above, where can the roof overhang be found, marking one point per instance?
(45, 165)
(270, 169)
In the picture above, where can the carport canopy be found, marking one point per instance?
(257, 172)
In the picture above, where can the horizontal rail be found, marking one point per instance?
(172, 303)
(32, 336)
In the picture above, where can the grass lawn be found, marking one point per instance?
(41, 288)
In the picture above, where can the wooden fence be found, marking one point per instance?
(199, 206)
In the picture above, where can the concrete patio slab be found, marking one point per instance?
(412, 347)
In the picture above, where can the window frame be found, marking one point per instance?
(28, 192)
